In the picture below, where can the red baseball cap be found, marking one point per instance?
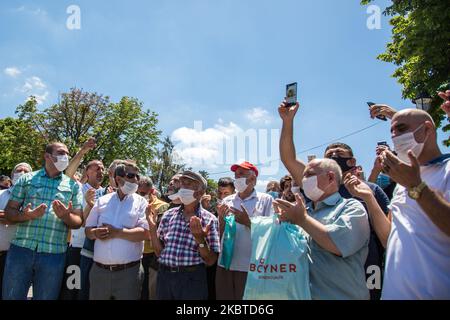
(245, 165)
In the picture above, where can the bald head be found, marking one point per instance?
(409, 120)
(414, 117)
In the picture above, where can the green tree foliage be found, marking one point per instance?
(123, 130)
(165, 165)
(20, 143)
(420, 47)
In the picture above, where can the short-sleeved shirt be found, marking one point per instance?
(180, 248)
(257, 205)
(418, 252)
(7, 232)
(78, 235)
(375, 257)
(47, 234)
(340, 277)
(128, 213)
(159, 207)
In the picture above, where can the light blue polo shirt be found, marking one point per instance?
(333, 277)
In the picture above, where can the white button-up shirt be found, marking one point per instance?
(7, 232)
(257, 204)
(129, 214)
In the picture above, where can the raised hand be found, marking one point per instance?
(89, 145)
(356, 187)
(197, 231)
(288, 113)
(292, 212)
(61, 210)
(90, 197)
(241, 216)
(382, 110)
(446, 105)
(407, 175)
(38, 212)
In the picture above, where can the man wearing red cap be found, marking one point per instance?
(245, 204)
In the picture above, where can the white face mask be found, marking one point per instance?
(186, 196)
(295, 190)
(62, 163)
(406, 142)
(16, 177)
(312, 191)
(241, 184)
(129, 188)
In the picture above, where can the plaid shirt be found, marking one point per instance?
(180, 248)
(47, 234)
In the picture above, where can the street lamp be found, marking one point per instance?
(423, 101)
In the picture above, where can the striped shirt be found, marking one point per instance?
(180, 248)
(47, 234)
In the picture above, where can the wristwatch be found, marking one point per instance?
(416, 192)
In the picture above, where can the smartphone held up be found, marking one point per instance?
(291, 94)
(381, 117)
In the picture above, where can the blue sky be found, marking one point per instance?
(224, 63)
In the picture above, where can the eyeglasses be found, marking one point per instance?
(130, 175)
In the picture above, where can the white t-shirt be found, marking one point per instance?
(78, 235)
(257, 204)
(7, 232)
(128, 213)
(418, 252)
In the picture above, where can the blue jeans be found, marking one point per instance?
(85, 269)
(25, 267)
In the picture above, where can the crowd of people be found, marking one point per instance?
(70, 236)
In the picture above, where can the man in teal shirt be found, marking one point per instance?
(44, 204)
(338, 233)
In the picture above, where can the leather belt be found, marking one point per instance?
(118, 267)
(180, 269)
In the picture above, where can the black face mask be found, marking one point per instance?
(3, 188)
(342, 162)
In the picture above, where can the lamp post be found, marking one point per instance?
(423, 101)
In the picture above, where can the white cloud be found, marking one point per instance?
(259, 115)
(40, 98)
(33, 83)
(198, 147)
(12, 72)
(29, 10)
(34, 86)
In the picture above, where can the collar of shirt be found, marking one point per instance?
(125, 198)
(253, 195)
(439, 159)
(331, 201)
(43, 173)
(198, 210)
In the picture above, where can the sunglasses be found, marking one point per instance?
(130, 175)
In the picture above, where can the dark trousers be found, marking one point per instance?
(182, 285)
(211, 276)
(85, 269)
(145, 264)
(2, 269)
(72, 259)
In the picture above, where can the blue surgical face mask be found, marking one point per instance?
(383, 181)
(275, 195)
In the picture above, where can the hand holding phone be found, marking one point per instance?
(381, 117)
(291, 94)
